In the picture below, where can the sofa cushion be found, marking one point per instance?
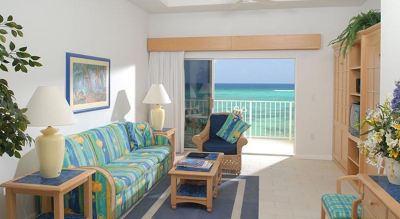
(216, 122)
(140, 135)
(121, 134)
(219, 145)
(78, 152)
(233, 128)
(105, 144)
(159, 152)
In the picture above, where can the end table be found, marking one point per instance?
(34, 184)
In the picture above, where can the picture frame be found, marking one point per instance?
(87, 82)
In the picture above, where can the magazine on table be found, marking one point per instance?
(195, 163)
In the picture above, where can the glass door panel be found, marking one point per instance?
(198, 94)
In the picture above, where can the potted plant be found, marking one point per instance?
(383, 140)
(357, 23)
(13, 123)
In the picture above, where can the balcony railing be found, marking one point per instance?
(268, 119)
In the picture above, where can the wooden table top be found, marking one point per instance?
(34, 183)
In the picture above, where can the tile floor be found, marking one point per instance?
(290, 187)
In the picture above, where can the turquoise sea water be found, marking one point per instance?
(268, 92)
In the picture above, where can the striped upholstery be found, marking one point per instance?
(338, 206)
(123, 176)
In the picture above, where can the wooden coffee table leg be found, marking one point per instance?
(209, 193)
(173, 191)
(11, 204)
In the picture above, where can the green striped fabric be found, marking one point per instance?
(338, 206)
(78, 152)
(233, 128)
(140, 134)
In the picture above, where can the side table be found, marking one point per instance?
(34, 184)
(170, 134)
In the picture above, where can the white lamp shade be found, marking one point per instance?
(157, 95)
(48, 107)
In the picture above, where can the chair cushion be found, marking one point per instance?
(219, 145)
(140, 134)
(216, 122)
(338, 206)
(78, 152)
(233, 128)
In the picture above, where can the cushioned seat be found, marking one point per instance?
(338, 206)
(160, 152)
(219, 145)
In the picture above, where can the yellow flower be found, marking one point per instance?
(99, 143)
(393, 154)
(236, 134)
(396, 126)
(79, 139)
(141, 126)
(119, 201)
(96, 186)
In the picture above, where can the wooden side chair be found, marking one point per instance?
(208, 141)
(341, 206)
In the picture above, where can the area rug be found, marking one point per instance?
(237, 198)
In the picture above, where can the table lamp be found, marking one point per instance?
(47, 108)
(157, 96)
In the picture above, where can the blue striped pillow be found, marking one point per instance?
(232, 129)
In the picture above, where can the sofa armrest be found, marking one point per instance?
(242, 141)
(103, 187)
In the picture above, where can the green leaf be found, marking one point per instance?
(3, 67)
(31, 63)
(12, 46)
(2, 38)
(10, 18)
(17, 154)
(23, 55)
(24, 69)
(35, 58)
(20, 33)
(19, 27)
(37, 64)
(1, 19)
(2, 31)
(14, 33)
(23, 49)
(15, 62)
(11, 24)
(17, 68)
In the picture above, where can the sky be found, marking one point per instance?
(250, 71)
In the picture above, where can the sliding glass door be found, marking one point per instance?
(198, 97)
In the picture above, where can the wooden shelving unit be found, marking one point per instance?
(361, 62)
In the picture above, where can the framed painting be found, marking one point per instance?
(88, 82)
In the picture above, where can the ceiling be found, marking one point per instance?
(180, 6)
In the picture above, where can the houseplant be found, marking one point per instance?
(383, 140)
(13, 121)
(357, 23)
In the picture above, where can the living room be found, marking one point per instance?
(140, 43)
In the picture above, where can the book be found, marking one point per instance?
(195, 163)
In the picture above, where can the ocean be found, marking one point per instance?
(266, 92)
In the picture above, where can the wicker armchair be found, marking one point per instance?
(207, 141)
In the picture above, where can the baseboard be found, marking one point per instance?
(313, 157)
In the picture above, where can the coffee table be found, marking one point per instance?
(205, 185)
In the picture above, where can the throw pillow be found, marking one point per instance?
(233, 128)
(141, 135)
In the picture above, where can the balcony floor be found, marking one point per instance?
(269, 146)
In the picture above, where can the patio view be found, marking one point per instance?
(262, 88)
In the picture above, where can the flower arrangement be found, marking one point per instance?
(383, 140)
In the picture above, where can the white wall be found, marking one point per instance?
(114, 29)
(314, 68)
(371, 4)
(390, 46)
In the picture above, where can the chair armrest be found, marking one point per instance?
(354, 208)
(200, 138)
(340, 179)
(242, 141)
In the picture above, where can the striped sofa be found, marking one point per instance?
(124, 170)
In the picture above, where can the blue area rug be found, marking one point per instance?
(223, 205)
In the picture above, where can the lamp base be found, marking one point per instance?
(157, 117)
(50, 148)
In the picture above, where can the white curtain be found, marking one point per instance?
(167, 68)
